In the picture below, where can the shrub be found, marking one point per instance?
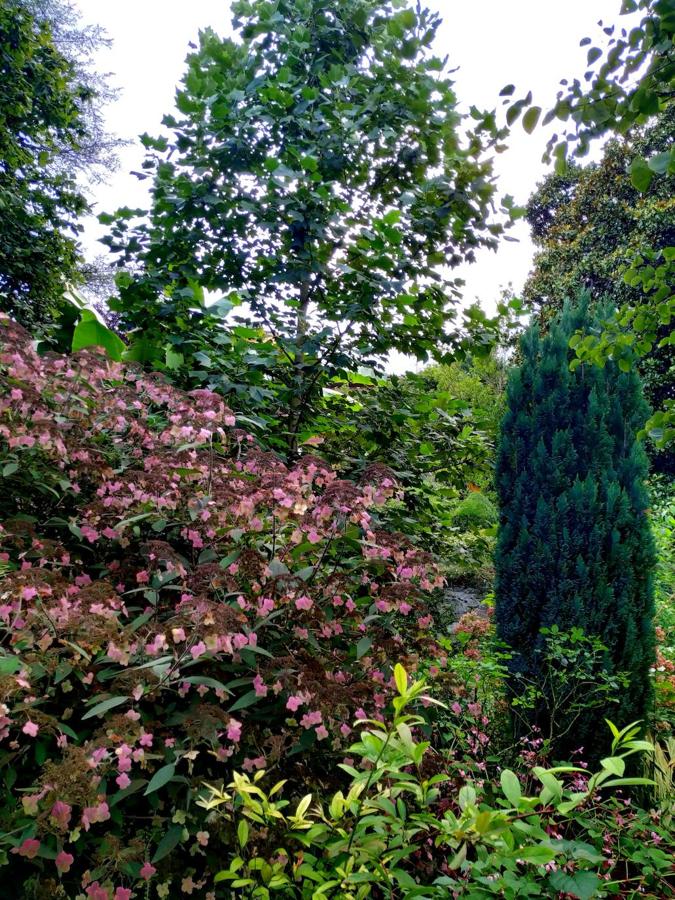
(173, 601)
(662, 515)
(404, 829)
(574, 546)
(475, 509)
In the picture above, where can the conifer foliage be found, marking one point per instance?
(575, 548)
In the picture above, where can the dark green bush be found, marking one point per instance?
(575, 547)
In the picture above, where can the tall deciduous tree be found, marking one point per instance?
(574, 547)
(590, 226)
(315, 173)
(627, 82)
(40, 115)
(95, 155)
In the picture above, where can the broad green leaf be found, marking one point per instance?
(640, 174)
(173, 359)
(510, 786)
(538, 854)
(583, 885)
(90, 332)
(9, 665)
(661, 162)
(467, 796)
(625, 782)
(205, 681)
(614, 764)
(142, 350)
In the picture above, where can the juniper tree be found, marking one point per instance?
(574, 547)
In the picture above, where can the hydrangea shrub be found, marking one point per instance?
(174, 602)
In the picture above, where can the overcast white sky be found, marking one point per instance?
(530, 43)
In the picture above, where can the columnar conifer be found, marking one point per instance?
(575, 547)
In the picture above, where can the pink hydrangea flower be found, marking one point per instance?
(93, 814)
(96, 891)
(234, 731)
(61, 813)
(304, 602)
(311, 718)
(147, 871)
(31, 729)
(198, 650)
(122, 894)
(30, 848)
(64, 861)
(259, 686)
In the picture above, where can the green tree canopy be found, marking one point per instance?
(316, 174)
(95, 155)
(590, 225)
(627, 82)
(40, 116)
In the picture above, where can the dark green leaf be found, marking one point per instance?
(160, 778)
(170, 840)
(531, 118)
(104, 707)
